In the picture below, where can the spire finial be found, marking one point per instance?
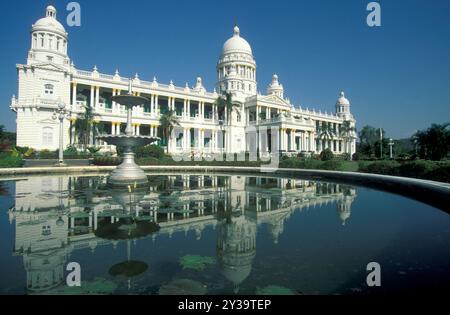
(236, 30)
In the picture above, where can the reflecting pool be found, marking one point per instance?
(216, 234)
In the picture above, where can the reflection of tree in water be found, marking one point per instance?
(4, 190)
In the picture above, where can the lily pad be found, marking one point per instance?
(128, 269)
(183, 287)
(274, 290)
(196, 262)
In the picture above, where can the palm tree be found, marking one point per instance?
(85, 125)
(346, 132)
(168, 121)
(226, 103)
(326, 132)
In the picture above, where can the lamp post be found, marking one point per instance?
(60, 114)
(381, 143)
(391, 144)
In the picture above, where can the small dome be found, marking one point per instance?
(236, 44)
(275, 87)
(342, 100)
(49, 22)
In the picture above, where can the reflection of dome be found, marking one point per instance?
(236, 248)
(59, 222)
(236, 44)
(49, 22)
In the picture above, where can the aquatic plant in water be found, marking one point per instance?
(183, 287)
(196, 262)
(99, 286)
(274, 290)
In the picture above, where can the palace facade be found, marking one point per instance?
(50, 77)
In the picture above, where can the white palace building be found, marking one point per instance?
(50, 77)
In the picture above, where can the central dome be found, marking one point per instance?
(236, 44)
(49, 22)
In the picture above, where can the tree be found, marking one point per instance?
(346, 132)
(225, 103)
(433, 143)
(326, 132)
(326, 155)
(85, 127)
(369, 138)
(168, 121)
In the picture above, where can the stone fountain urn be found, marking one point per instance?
(128, 172)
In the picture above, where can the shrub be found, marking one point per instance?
(107, 161)
(441, 174)
(152, 150)
(418, 169)
(71, 150)
(94, 150)
(345, 157)
(326, 155)
(47, 154)
(9, 161)
(385, 167)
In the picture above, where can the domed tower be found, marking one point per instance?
(48, 41)
(44, 82)
(275, 88)
(236, 69)
(343, 107)
(343, 111)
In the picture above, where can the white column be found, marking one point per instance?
(92, 96)
(292, 133)
(185, 109)
(258, 111)
(74, 95)
(97, 96)
(152, 105)
(118, 128)
(188, 108)
(138, 129)
(113, 104)
(268, 115)
(200, 138)
(156, 105)
(285, 136)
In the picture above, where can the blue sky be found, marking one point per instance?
(396, 76)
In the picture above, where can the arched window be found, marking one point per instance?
(48, 89)
(47, 136)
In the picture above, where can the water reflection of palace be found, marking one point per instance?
(55, 216)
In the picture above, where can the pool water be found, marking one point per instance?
(217, 234)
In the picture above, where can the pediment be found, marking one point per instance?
(274, 99)
(49, 67)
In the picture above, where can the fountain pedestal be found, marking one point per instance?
(128, 172)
